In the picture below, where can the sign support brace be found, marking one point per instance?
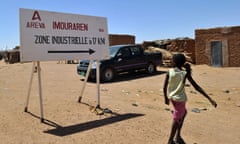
(97, 108)
(35, 68)
(85, 80)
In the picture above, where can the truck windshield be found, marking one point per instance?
(114, 50)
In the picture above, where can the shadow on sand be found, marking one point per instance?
(68, 130)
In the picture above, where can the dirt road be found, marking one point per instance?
(139, 114)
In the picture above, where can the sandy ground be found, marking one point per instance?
(139, 114)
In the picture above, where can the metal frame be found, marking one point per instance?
(36, 66)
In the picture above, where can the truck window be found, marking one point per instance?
(124, 52)
(135, 51)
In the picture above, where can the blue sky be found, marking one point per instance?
(146, 19)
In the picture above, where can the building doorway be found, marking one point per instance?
(216, 53)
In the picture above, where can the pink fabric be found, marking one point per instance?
(179, 110)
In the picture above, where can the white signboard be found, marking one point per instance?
(48, 36)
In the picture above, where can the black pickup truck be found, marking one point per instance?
(123, 58)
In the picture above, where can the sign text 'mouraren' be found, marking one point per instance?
(70, 26)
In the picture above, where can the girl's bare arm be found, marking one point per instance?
(165, 89)
(199, 89)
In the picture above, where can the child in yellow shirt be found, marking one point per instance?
(174, 91)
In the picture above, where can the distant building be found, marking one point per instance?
(178, 45)
(117, 39)
(218, 46)
(184, 45)
(11, 56)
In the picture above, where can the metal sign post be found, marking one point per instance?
(29, 87)
(98, 83)
(85, 80)
(39, 88)
(97, 108)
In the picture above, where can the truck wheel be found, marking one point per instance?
(151, 68)
(108, 74)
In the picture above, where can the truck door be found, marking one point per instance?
(124, 60)
(138, 60)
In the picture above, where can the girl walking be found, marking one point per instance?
(174, 91)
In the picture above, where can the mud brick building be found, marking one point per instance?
(218, 46)
(178, 45)
(115, 39)
(185, 45)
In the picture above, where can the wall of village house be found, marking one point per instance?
(230, 38)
